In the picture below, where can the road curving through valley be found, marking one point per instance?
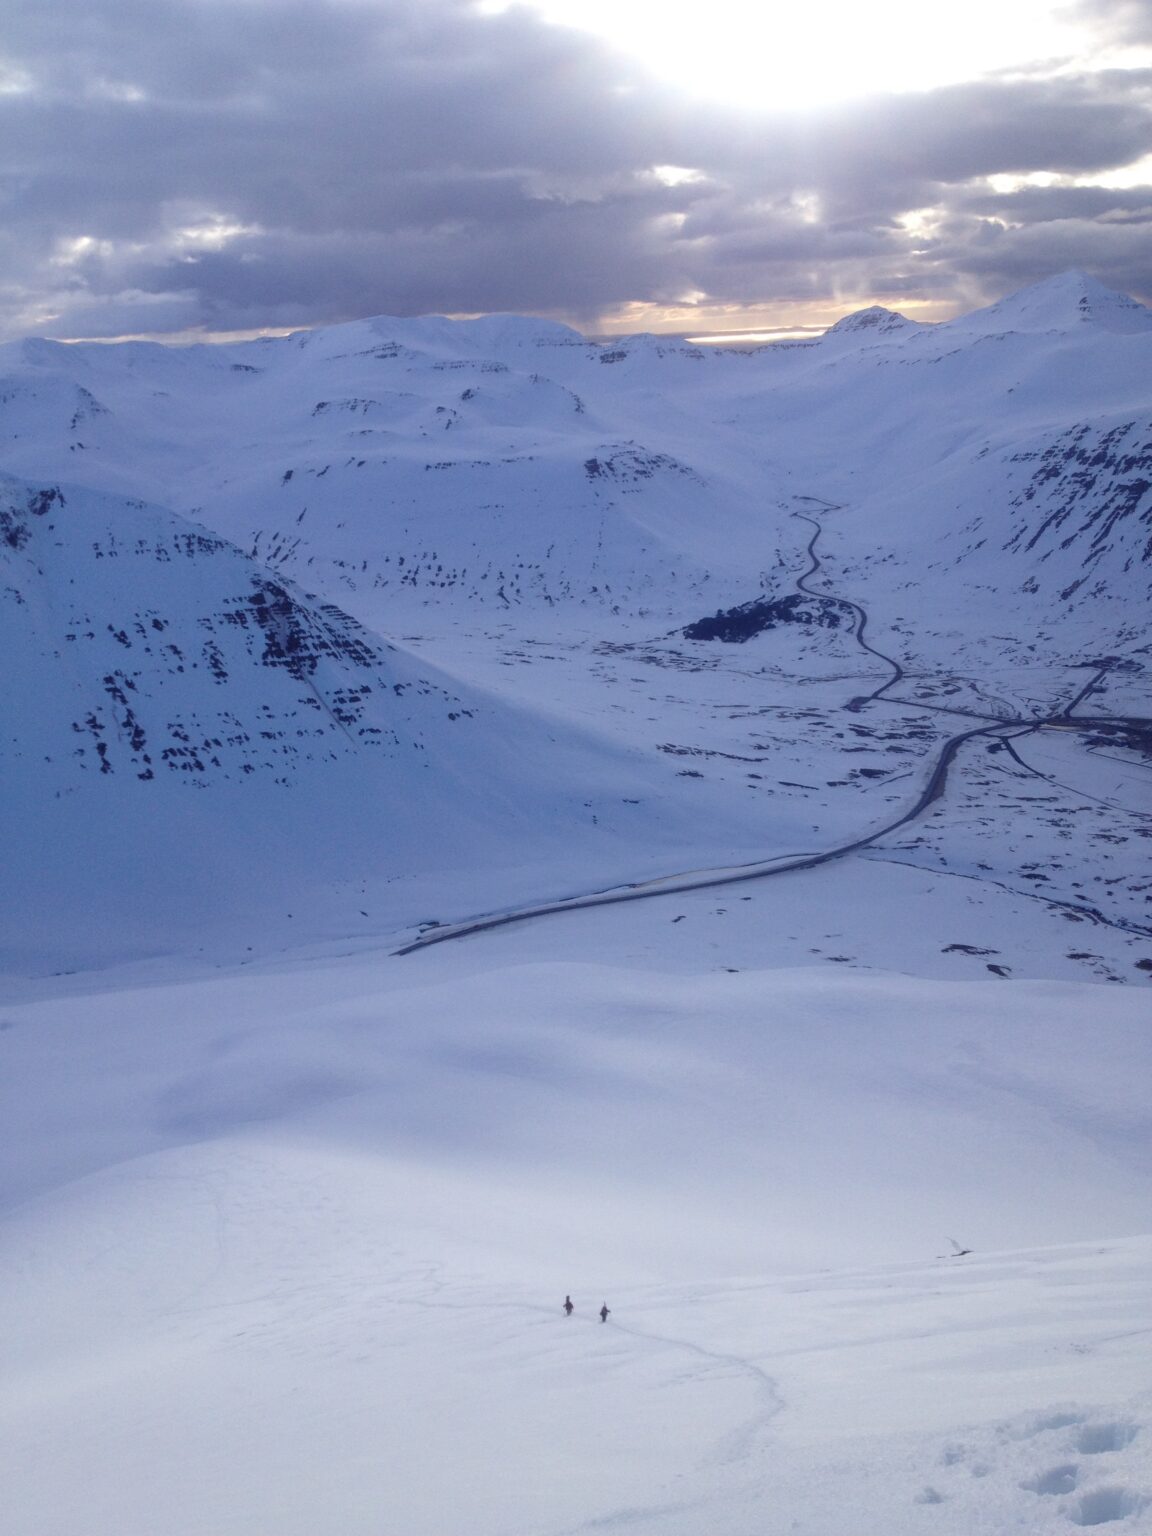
(781, 864)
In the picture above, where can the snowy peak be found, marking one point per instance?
(874, 321)
(1069, 301)
(50, 405)
(646, 344)
(430, 337)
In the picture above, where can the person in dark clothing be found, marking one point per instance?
(604, 1313)
(568, 1305)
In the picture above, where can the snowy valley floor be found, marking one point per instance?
(284, 1244)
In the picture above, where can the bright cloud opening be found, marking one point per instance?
(765, 54)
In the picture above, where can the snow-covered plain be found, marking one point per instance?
(317, 643)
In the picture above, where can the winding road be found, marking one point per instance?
(934, 787)
(861, 619)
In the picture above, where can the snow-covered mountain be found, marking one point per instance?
(372, 458)
(389, 464)
(1069, 301)
(982, 489)
(487, 816)
(872, 322)
(188, 739)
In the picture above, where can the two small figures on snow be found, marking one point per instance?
(569, 1308)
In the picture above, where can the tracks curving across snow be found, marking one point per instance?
(738, 1445)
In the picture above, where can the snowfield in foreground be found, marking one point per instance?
(291, 1242)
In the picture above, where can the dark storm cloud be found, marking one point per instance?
(241, 163)
(1049, 205)
(998, 126)
(1011, 257)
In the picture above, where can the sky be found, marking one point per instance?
(216, 167)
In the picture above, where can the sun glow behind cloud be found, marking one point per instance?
(549, 157)
(774, 54)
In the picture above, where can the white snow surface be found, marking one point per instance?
(290, 1244)
(475, 546)
(317, 650)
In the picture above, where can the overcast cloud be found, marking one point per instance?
(238, 164)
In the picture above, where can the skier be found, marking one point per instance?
(604, 1313)
(568, 1306)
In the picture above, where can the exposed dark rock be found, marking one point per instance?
(736, 625)
(1089, 481)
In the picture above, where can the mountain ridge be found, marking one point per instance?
(517, 517)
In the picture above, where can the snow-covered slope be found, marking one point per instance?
(293, 1240)
(190, 742)
(412, 459)
(510, 464)
(805, 1019)
(1069, 301)
(532, 512)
